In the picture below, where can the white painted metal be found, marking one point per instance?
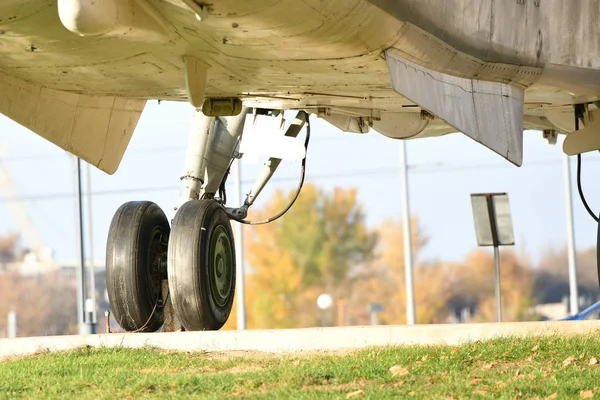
(573, 292)
(194, 168)
(273, 163)
(236, 170)
(490, 113)
(407, 234)
(117, 54)
(222, 146)
(124, 19)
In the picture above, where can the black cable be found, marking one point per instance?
(578, 112)
(298, 190)
(580, 190)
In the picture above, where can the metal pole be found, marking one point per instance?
(374, 318)
(91, 264)
(12, 324)
(574, 296)
(239, 250)
(81, 319)
(497, 283)
(408, 267)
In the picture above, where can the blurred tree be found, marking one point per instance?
(8, 248)
(45, 304)
(473, 286)
(551, 283)
(316, 247)
(388, 286)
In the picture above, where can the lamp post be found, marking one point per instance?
(324, 302)
(493, 227)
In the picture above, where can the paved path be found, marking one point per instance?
(294, 340)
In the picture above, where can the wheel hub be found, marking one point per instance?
(221, 266)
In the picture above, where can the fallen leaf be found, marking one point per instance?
(454, 350)
(399, 370)
(297, 362)
(501, 384)
(90, 385)
(487, 366)
(518, 372)
(552, 396)
(582, 355)
(355, 394)
(444, 373)
(398, 384)
(357, 366)
(529, 358)
(536, 347)
(481, 392)
(568, 361)
(424, 358)
(475, 381)
(411, 393)
(593, 361)
(586, 394)
(448, 398)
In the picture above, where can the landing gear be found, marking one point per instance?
(196, 254)
(201, 271)
(135, 265)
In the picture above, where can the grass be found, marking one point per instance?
(551, 367)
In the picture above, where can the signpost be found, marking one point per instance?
(493, 227)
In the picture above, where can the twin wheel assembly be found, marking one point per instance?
(196, 254)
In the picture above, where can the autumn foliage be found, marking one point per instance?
(323, 245)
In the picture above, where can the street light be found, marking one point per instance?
(493, 227)
(324, 302)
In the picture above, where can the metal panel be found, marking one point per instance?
(488, 112)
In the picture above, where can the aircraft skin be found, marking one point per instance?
(79, 72)
(285, 54)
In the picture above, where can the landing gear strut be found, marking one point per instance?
(196, 254)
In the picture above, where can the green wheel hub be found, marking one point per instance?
(220, 266)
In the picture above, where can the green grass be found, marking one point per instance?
(506, 368)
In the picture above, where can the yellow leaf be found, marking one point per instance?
(536, 347)
(487, 366)
(582, 355)
(475, 381)
(593, 361)
(517, 373)
(586, 394)
(355, 394)
(552, 396)
(399, 370)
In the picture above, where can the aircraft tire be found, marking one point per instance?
(137, 239)
(201, 265)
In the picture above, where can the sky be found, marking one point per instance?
(443, 172)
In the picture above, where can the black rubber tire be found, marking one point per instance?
(190, 284)
(138, 234)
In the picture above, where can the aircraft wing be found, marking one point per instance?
(79, 72)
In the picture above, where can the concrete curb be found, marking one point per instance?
(297, 340)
